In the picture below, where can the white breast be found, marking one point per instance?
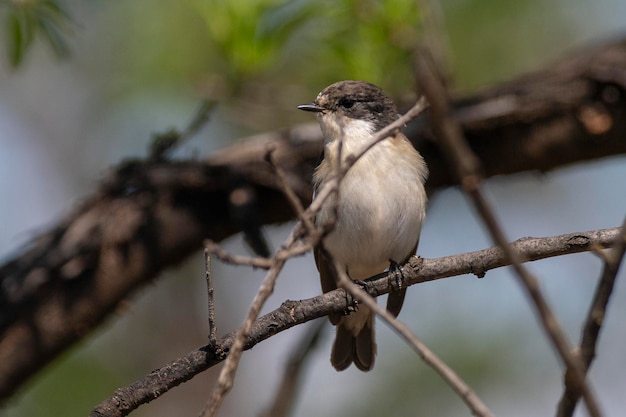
(381, 202)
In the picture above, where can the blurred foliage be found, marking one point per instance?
(230, 48)
(492, 40)
(249, 34)
(244, 48)
(369, 40)
(418, 390)
(260, 58)
(246, 53)
(358, 39)
(70, 387)
(25, 20)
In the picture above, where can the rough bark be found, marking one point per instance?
(150, 215)
(292, 313)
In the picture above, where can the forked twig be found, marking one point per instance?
(253, 261)
(227, 374)
(593, 323)
(289, 314)
(467, 166)
(464, 391)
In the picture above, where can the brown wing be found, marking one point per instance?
(395, 299)
(327, 278)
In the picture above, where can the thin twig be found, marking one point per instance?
(210, 298)
(433, 32)
(165, 142)
(418, 108)
(468, 169)
(595, 318)
(227, 374)
(160, 381)
(288, 389)
(464, 391)
(291, 195)
(200, 118)
(332, 185)
(222, 255)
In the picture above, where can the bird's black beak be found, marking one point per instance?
(311, 107)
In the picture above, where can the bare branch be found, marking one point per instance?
(468, 169)
(255, 262)
(210, 299)
(292, 196)
(292, 313)
(289, 248)
(227, 374)
(417, 109)
(157, 213)
(593, 323)
(464, 391)
(164, 143)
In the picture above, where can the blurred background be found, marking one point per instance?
(133, 69)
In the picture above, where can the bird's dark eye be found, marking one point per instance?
(346, 103)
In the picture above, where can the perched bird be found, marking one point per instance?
(380, 205)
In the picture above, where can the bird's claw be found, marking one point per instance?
(363, 284)
(395, 276)
(353, 303)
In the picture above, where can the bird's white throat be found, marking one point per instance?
(354, 134)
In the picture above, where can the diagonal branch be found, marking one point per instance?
(292, 313)
(595, 318)
(468, 169)
(227, 374)
(431, 359)
(157, 213)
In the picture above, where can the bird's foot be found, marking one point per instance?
(353, 303)
(395, 276)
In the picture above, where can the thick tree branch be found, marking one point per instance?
(292, 313)
(150, 215)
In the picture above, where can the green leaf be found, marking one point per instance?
(249, 34)
(52, 21)
(15, 39)
(51, 33)
(26, 20)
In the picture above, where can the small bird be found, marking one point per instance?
(377, 212)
